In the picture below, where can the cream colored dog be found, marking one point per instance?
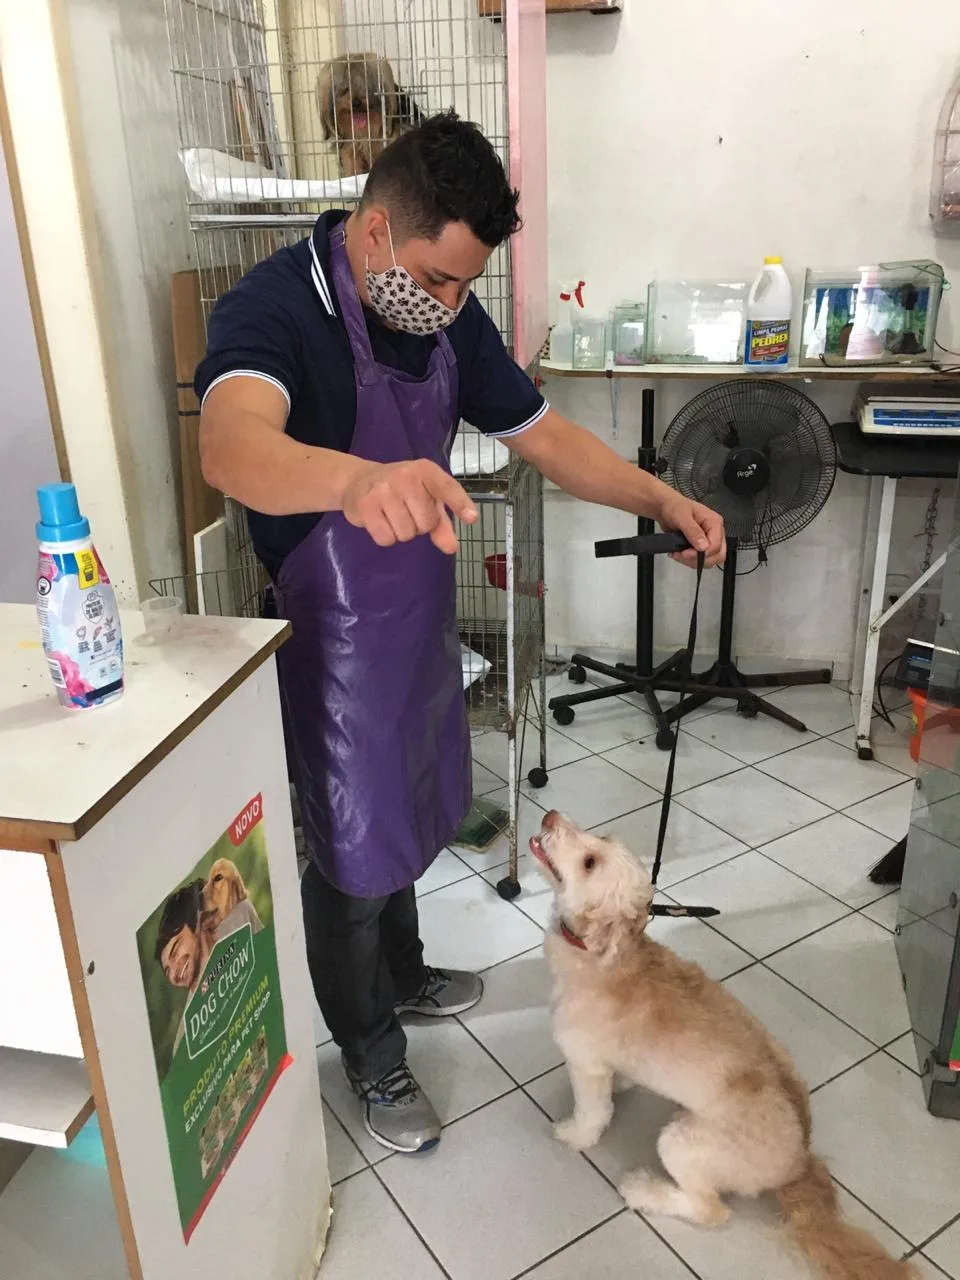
(625, 1006)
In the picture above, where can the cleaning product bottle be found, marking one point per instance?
(79, 620)
(561, 335)
(769, 310)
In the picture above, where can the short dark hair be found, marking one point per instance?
(444, 170)
(180, 909)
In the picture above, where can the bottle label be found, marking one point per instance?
(80, 627)
(768, 341)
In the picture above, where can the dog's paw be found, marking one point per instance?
(710, 1211)
(644, 1192)
(577, 1135)
(649, 1194)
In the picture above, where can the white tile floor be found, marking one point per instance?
(779, 831)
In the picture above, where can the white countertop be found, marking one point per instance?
(61, 770)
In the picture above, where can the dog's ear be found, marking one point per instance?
(609, 934)
(238, 886)
(326, 102)
(622, 912)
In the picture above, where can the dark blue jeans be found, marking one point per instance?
(364, 955)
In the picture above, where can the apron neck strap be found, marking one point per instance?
(351, 307)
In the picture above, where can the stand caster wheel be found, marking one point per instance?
(564, 715)
(747, 710)
(538, 777)
(508, 889)
(577, 675)
(665, 739)
(864, 753)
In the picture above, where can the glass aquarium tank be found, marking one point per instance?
(928, 923)
(885, 314)
(629, 332)
(589, 342)
(696, 322)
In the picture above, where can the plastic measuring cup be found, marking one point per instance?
(161, 616)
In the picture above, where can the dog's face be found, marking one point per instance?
(223, 890)
(602, 890)
(357, 98)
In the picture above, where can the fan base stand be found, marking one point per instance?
(629, 679)
(723, 679)
(726, 680)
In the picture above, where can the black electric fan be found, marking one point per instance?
(760, 453)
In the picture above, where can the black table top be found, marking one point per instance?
(867, 455)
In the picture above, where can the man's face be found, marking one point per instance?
(181, 958)
(445, 267)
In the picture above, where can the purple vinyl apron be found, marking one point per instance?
(372, 681)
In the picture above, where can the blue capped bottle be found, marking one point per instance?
(76, 605)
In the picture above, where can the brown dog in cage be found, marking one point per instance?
(362, 109)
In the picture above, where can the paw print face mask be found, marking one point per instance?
(397, 298)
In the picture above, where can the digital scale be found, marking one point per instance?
(916, 665)
(902, 409)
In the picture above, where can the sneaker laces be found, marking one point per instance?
(393, 1089)
(434, 982)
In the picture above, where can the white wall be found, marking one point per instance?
(36, 82)
(690, 140)
(27, 454)
(129, 139)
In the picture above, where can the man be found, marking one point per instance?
(187, 933)
(183, 945)
(336, 376)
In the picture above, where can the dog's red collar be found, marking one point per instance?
(569, 936)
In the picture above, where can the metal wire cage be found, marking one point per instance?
(500, 609)
(234, 585)
(500, 590)
(284, 104)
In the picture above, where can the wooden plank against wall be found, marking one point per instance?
(201, 504)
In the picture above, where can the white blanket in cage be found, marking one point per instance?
(475, 666)
(474, 454)
(215, 175)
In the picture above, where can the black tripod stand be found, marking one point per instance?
(722, 680)
(642, 677)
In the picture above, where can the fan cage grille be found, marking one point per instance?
(772, 418)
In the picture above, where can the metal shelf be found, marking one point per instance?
(494, 8)
(863, 373)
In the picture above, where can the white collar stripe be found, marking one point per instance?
(319, 280)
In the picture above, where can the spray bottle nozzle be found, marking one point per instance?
(567, 294)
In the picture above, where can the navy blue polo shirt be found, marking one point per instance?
(282, 322)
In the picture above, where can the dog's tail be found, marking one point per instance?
(837, 1250)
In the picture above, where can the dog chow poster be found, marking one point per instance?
(209, 965)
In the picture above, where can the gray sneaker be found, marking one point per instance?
(396, 1111)
(444, 993)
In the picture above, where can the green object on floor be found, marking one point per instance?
(485, 821)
